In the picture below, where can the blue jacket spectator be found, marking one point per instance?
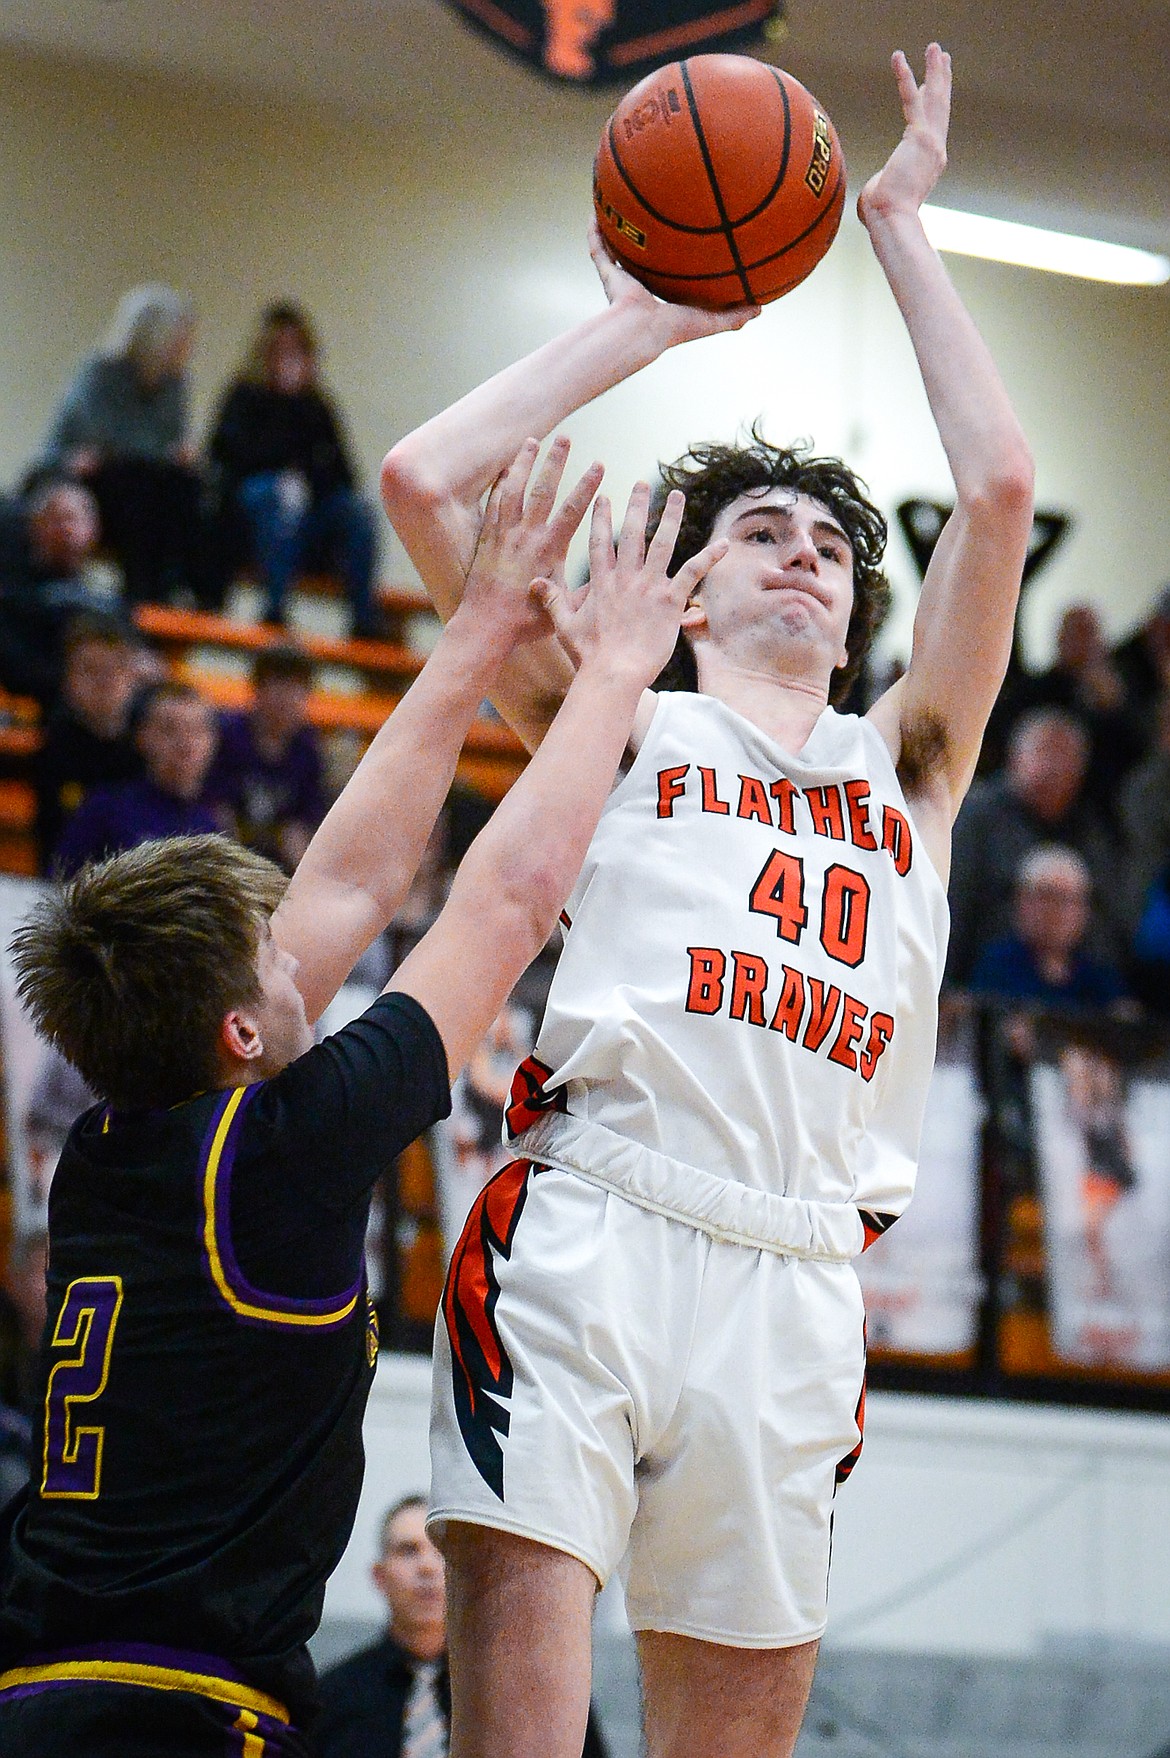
(1041, 961)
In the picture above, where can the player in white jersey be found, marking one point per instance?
(651, 1334)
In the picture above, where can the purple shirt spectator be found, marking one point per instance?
(264, 790)
(113, 818)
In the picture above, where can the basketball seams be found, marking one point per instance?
(727, 228)
(663, 219)
(835, 201)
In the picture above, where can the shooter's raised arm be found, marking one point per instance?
(934, 717)
(434, 480)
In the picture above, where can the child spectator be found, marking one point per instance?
(268, 772)
(285, 472)
(87, 741)
(174, 733)
(122, 427)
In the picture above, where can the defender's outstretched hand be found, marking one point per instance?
(673, 323)
(628, 615)
(919, 159)
(524, 536)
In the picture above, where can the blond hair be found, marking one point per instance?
(129, 968)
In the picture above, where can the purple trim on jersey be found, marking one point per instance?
(179, 1660)
(222, 1201)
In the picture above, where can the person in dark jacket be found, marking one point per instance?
(286, 480)
(393, 1699)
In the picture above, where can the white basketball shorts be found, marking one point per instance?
(618, 1385)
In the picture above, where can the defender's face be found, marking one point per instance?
(789, 562)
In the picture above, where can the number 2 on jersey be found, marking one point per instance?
(85, 1332)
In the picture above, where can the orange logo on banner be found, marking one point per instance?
(573, 27)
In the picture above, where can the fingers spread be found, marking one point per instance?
(574, 507)
(600, 536)
(543, 493)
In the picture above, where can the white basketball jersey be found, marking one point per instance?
(751, 966)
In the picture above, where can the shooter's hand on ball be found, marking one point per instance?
(628, 615)
(524, 536)
(672, 323)
(919, 159)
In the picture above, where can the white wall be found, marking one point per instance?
(434, 250)
(966, 1528)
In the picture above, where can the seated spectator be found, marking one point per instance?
(1085, 681)
(1042, 959)
(47, 540)
(268, 771)
(59, 1095)
(1038, 799)
(122, 427)
(392, 1699)
(174, 733)
(87, 741)
(1143, 662)
(1145, 814)
(285, 471)
(1151, 946)
(22, 1318)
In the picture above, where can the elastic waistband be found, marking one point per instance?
(141, 1664)
(791, 1226)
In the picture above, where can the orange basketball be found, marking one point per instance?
(719, 181)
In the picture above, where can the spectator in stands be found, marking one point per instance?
(1145, 815)
(268, 772)
(1085, 681)
(59, 1095)
(123, 428)
(22, 1318)
(392, 1699)
(1039, 798)
(47, 541)
(87, 742)
(1042, 959)
(174, 732)
(284, 471)
(1143, 661)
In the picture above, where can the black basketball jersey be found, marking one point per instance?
(207, 1359)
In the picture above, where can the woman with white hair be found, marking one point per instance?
(122, 428)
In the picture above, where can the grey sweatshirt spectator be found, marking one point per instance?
(1039, 798)
(122, 426)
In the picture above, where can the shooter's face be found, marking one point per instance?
(787, 575)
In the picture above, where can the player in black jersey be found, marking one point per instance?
(210, 1342)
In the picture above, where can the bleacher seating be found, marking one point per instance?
(363, 682)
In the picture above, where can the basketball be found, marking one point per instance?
(719, 181)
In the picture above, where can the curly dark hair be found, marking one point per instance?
(712, 476)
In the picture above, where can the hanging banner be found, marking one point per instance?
(1102, 1144)
(606, 42)
(921, 1279)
